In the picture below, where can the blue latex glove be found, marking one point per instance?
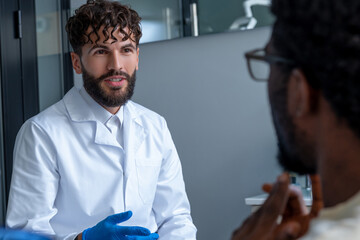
(9, 234)
(109, 230)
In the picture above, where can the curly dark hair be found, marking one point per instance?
(98, 13)
(323, 38)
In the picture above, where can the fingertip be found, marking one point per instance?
(145, 231)
(281, 184)
(314, 178)
(129, 213)
(135, 230)
(154, 236)
(293, 230)
(126, 215)
(119, 217)
(283, 178)
(290, 230)
(141, 231)
(267, 187)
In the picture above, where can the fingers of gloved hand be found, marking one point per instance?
(131, 231)
(288, 231)
(317, 203)
(119, 217)
(152, 236)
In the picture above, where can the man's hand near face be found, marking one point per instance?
(285, 201)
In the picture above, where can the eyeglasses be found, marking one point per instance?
(258, 63)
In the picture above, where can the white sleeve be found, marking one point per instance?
(171, 205)
(34, 182)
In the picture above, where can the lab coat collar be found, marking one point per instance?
(100, 113)
(134, 132)
(80, 111)
(77, 107)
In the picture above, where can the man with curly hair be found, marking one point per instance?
(96, 165)
(314, 91)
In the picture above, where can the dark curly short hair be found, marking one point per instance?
(98, 13)
(323, 38)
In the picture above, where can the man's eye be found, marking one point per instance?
(128, 50)
(100, 52)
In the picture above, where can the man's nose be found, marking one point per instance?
(115, 61)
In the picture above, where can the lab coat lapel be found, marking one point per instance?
(77, 107)
(79, 112)
(134, 135)
(104, 137)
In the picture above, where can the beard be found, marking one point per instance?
(116, 96)
(296, 153)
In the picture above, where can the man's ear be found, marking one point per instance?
(301, 97)
(75, 59)
(137, 60)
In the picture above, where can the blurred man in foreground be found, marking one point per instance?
(313, 72)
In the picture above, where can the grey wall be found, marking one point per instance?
(219, 120)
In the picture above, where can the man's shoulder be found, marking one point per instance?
(52, 115)
(339, 222)
(334, 230)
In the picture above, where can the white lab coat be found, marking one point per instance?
(67, 175)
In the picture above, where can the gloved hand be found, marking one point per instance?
(9, 234)
(109, 230)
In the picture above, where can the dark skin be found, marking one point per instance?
(283, 201)
(296, 215)
(314, 117)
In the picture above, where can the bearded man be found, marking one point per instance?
(96, 165)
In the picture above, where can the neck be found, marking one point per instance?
(340, 176)
(338, 161)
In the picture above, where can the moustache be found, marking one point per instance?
(114, 73)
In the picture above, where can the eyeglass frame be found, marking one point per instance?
(271, 59)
